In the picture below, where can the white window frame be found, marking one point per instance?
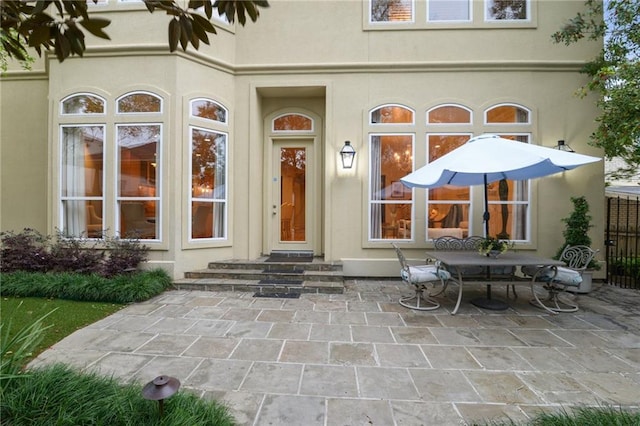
(66, 198)
(212, 200)
(116, 173)
(138, 92)
(493, 21)
(372, 110)
(450, 21)
(371, 201)
(409, 22)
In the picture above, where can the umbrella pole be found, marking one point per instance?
(488, 302)
(486, 214)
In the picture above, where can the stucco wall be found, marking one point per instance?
(318, 56)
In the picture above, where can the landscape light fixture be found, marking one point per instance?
(159, 389)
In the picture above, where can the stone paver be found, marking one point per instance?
(359, 358)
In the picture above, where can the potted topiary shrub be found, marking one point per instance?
(576, 232)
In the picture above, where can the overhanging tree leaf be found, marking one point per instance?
(26, 23)
(174, 34)
(95, 26)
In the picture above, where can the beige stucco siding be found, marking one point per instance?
(315, 57)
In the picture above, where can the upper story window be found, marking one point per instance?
(448, 114)
(422, 14)
(448, 10)
(208, 110)
(503, 114)
(392, 114)
(83, 104)
(292, 123)
(139, 102)
(391, 10)
(507, 10)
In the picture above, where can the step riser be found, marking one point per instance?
(262, 276)
(244, 276)
(243, 287)
(266, 265)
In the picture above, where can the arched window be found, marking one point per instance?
(85, 103)
(509, 199)
(391, 156)
(507, 113)
(139, 166)
(292, 123)
(391, 114)
(208, 170)
(449, 114)
(138, 102)
(448, 209)
(82, 152)
(209, 110)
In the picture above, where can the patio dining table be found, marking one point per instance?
(456, 260)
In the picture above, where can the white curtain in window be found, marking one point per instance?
(376, 188)
(220, 191)
(73, 182)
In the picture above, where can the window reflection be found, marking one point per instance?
(391, 201)
(208, 183)
(137, 186)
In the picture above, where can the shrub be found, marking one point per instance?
(26, 251)
(31, 251)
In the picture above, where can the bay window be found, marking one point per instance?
(208, 205)
(81, 179)
(131, 140)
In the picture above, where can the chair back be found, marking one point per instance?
(401, 258)
(454, 243)
(578, 257)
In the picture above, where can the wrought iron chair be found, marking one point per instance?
(557, 280)
(419, 277)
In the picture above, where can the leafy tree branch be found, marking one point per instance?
(60, 26)
(614, 75)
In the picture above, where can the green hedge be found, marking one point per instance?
(126, 288)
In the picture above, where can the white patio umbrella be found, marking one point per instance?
(489, 158)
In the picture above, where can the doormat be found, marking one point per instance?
(289, 259)
(278, 295)
(276, 281)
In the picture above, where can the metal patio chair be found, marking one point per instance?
(420, 278)
(557, 280)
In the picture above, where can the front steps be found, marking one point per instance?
(264, 277)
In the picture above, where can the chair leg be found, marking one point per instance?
(554, 302)
(419, 301)
(513, 288)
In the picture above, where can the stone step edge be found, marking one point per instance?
(235, 285)
(254, 274)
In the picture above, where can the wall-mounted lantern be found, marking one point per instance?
(348, 154)
(562, 146)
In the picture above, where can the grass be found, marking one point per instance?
(58, 395)
(68, 316)
(125, 288)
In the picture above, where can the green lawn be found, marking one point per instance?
(68, 317)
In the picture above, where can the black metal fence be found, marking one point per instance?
(623, 242)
